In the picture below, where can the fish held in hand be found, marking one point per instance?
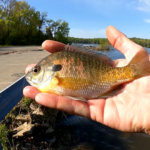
(82, 74)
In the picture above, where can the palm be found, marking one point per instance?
(127, 111)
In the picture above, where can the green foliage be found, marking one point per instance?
(10, 115)
(104, 42)
(104, 45)
(4, 136)
(85, 40)
(143, 42)
(57, 30)
(26, 102)
(21, 24)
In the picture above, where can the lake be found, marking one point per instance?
(113, 53)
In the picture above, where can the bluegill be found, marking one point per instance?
(84, 74)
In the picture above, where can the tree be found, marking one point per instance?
(22, 24)
(62, 32)
(57, 30)
(50, 29)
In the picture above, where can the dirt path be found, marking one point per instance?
(13, 61)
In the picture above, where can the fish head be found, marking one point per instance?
(35, 76)
(43, 75)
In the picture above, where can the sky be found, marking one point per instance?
(90, 18)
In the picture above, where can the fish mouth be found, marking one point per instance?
(28, 78)
(32, 81)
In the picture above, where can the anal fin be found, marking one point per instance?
(113, 91)
(77, 98)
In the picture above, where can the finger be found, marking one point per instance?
(53, 46)
(122, 43)
(30, 92)
(29, 67)
(63, 103)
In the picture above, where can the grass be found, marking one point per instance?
(26, 102)
(4, 136)
(10, 117)
(105, 46)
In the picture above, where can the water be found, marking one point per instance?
(113, 53)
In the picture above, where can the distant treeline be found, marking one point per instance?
(102, 41)
(21, 24)
(143, 42)
(86, 40)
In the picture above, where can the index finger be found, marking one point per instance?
(122, 43)
(63, 103)
(53, 46)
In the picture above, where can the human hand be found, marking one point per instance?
(126, 111)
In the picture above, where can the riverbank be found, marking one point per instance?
(14, 59)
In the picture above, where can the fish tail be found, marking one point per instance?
(140, 64)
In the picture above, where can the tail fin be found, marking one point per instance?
(141, 64)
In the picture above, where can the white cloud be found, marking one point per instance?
(144, 5)
(147, 20)
(87, 33)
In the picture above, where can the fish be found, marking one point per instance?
(82, 74)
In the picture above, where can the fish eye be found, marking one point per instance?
(56, 67)
(36, 69)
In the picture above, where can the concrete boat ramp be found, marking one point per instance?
(13, 61)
